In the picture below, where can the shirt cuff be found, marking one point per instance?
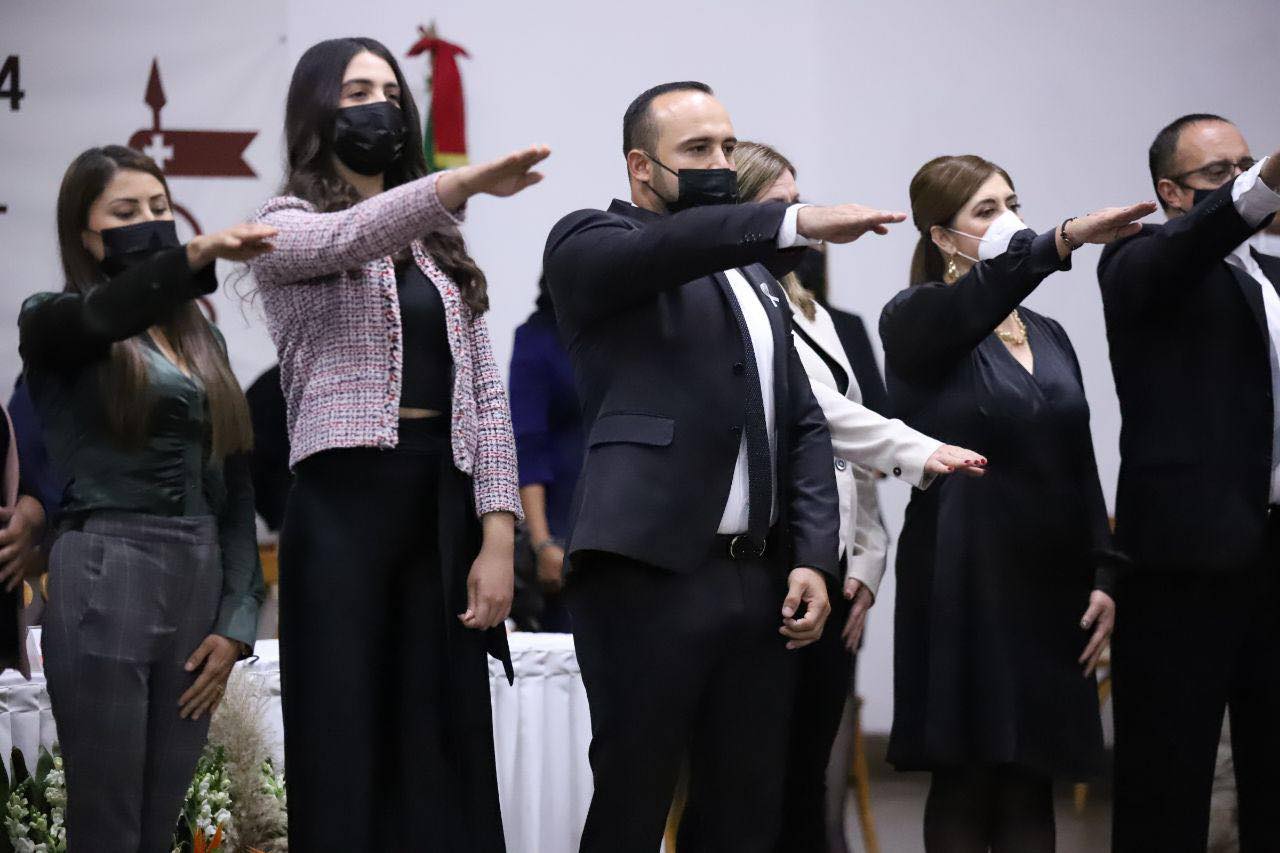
(238, 618)
(788, 235)
(1254, 200)
(868, 570)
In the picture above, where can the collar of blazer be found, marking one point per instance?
(632, 211)
(822, 331)
(1251, 288)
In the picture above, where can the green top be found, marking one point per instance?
(64, 339)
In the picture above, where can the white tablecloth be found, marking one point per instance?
(541, 733)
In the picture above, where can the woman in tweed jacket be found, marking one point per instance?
(396, 550)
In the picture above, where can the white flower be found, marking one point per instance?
(23, 845)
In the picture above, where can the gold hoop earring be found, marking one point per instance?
(952, 272)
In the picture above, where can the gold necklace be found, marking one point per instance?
(1017, 338)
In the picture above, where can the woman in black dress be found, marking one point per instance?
(1002, 580)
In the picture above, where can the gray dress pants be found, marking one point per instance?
(130, 598)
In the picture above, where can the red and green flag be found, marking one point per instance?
(444, 137)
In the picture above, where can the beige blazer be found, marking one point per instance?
(865, 443)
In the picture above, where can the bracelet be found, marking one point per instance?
(1072, 245)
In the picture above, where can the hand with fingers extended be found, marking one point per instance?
(1103, 226)
(1101, 617)
(857, 592)
(949, 458)
(843, 223)
(807, 592)
(214, 658)
(502, 177)
(241, 242)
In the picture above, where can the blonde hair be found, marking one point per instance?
(759, 166)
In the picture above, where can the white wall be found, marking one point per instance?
(1065, 96)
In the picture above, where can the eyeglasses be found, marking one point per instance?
(1218, 172)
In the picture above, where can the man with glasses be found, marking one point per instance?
(1193, 322)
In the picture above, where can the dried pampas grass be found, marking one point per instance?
(258, 816)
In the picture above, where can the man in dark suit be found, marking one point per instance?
(1193, 321)
(707, 500)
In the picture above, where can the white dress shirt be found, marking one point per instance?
(734, 519)
(1256, 201)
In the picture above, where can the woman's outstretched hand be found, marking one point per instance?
(503, 177)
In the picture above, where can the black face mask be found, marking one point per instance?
(369, 138)
(1198, 195)
(127, 245)
(700, 187)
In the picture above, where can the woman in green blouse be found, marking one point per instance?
(154, 577)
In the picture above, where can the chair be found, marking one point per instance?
(860, 781)
(269, 554)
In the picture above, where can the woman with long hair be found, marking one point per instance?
(397, 544)
(865, 443)
(1004, 584)
(154, 577)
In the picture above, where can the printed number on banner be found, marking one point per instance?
(11, 83)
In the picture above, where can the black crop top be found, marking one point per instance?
(428, 363)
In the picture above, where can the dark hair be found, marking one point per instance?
(1164, 148)
(310, 110)
(544, 302)
(938, 192)
(638, 129)
(126, 383)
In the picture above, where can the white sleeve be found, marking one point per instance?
(867, 438)
(789, 235)
(1253, 198)
(869, 552)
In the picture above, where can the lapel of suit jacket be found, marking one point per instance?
(825, 338)
(1251, 288)
(771, 297)
(766, 290)
(1271, 266)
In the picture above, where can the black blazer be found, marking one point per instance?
(1189, 352)
(659, 366)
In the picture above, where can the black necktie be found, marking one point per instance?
(759, 466)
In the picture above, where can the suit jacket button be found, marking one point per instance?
(739, 368)
(841, 464)
(897, 472)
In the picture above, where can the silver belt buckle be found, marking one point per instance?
(741, 547)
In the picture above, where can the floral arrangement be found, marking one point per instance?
(235, 804)
(34, 805)
(206, 817)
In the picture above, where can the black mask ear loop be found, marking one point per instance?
(654, 189)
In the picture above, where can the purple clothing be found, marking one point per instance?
(546, 416)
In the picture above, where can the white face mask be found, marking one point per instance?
(995, 242)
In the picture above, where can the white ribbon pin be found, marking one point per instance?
(764, 288)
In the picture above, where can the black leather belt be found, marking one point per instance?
(740, 546)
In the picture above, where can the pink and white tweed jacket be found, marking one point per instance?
(329, 293)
